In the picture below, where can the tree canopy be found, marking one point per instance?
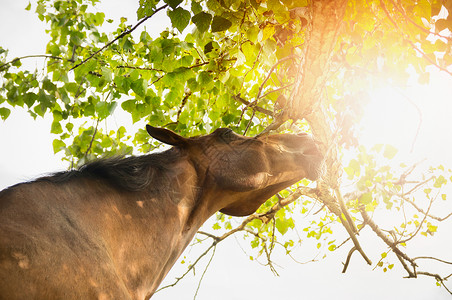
(258, 67)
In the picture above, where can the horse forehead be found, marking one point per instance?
(286, 139)
(224, 139)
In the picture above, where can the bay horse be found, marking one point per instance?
(113, 228)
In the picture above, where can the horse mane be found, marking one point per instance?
(134, 173)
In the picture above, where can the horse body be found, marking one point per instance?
(114, 229)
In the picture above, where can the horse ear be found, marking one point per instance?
(166, 136)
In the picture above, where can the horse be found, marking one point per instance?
(113, 228)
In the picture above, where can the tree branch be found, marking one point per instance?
(426, 57)
(437, 277)
(400, 255)
(347, 261)
(402, 11)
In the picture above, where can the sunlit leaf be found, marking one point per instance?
(58, 145)
(366, 198)
(390, 151)
(439, 181)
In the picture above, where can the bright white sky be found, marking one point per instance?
(26, 152)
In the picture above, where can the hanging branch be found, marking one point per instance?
(123, 34)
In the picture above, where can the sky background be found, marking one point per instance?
(26, 152)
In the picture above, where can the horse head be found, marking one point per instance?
(240, 173)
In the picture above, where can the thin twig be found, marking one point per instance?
(433, 258)
(423, 212)
(92, 139)
(252, 67)
(29, 56)
(270, 73)
(204, 273)
(276, 90)
(418, 186)
(258, 108)
(420, 225)
(140, 68)
(189, 268)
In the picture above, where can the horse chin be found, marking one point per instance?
(249, 202)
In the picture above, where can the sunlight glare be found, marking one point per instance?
(417, 120)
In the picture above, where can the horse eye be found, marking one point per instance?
(225, 134)
(228, 132)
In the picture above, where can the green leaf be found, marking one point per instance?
(390, 151)
(106, 72)
(439, 181)
(58, 145)
(424, 78)
(48, 85)
(139, 87)
(195, 7)
(146, 8)
(432, 228)
(4, 113)
(173, 3)
(282, 226)
(179, 18)
(56, 128)
(220, 24)
(204, 78)
(366, 198)
(353, 168)
(202, 21)
(252, 34)
(16, 63)
(41, 9)
(442, 24)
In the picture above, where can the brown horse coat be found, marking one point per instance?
(114, 228)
